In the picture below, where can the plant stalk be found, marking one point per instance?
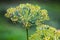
(27, 33)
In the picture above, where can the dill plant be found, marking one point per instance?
(45, 32)
(27, 14)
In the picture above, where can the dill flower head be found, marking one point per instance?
(45, 32)
(27, 13)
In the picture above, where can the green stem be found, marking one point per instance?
(27, 33)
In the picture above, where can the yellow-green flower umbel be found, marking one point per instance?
(27, 14)
(45, 32)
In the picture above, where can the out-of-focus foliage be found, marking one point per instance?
(45, 32)
(27, 14)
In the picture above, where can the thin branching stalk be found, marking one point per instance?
(27, 33)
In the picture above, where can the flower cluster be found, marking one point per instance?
(45, 32)
(27, 13)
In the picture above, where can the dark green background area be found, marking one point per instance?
(11, 31)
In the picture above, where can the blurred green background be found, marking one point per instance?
(11, 31)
